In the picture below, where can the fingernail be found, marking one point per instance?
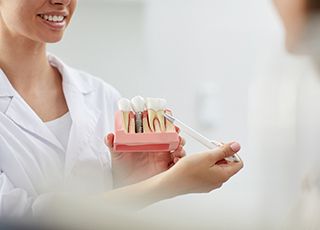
(235, 147)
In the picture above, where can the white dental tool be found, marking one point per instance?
(198, 137)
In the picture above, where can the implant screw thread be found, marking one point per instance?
(139, 126)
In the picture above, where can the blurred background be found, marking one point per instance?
(219, 64)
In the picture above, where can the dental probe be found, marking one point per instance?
(198, 137)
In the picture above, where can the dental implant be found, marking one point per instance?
(138, 105)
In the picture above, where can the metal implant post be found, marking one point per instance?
(139, 125)
(138, 105)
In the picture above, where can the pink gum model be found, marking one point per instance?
(143, 142)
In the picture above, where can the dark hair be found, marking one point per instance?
(313, 5)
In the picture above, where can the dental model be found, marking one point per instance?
(125, 108)
(138, 105)
(156, 108)
(140, 126)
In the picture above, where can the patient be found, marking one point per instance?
(295, 121)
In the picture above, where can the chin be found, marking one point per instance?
(51, 39)
(294, 46)
(56, 40)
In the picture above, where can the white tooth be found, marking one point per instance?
(61, 18)
(124, 105)
(55, 18)
(169, 126)
(50, 18)
(156, 108)
(151, 113)
(145, 122)
(138, 104)
(46, 17)
(153, 103)
(163, 103)
(125, 108)
(132, 123)
(160, 113)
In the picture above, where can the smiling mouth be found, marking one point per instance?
(52, 18)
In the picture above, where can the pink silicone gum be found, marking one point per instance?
(143, 142)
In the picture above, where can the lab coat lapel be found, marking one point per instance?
(84, 116)
(22, 114)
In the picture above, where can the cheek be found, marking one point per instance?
(18, 24)
(293, 16)
(73, 6)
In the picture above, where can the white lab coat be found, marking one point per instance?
(31, 156)
(285, 129)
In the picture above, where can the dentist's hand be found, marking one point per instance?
(202, 172)
(130, 168)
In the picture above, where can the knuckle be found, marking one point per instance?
(209, 189)
(220, 185)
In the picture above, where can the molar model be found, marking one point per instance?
(140, 126)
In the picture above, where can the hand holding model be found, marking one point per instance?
(163, 174)
(198, 173)
(143, 119)
(133, 167)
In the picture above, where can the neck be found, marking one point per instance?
(23, 61)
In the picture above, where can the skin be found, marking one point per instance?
(130, 168)
(23, 40)
(143, 178)
(294, 15)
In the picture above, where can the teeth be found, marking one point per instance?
(148, 117)
(52, 18)
(145, 122)
(138, 105)
(125, 107)
(132, 126)
(156, 107)
(169, 126)
(160, 114)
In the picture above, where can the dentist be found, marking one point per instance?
(53, 120)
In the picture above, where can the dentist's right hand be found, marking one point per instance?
(197, 173)
(202, 172)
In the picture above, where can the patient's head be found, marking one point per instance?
(302, 24)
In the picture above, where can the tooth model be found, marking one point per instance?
(156, 107)
(125, 108)
(138, 105)
(145, 131)
(169, 126)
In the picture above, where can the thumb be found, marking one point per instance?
(109, 141)
(226, 150)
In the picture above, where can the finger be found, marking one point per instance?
(231, 169)
(176, 159)
(180, 152)
(225, 151)
(109, 140)
(182, 141)
(177, 150)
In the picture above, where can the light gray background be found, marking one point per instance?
(201, 55)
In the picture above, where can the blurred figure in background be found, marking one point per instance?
(286, 117)
(301, 20)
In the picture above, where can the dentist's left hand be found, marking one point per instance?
(130, 168)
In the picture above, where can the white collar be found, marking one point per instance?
(70, 76)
